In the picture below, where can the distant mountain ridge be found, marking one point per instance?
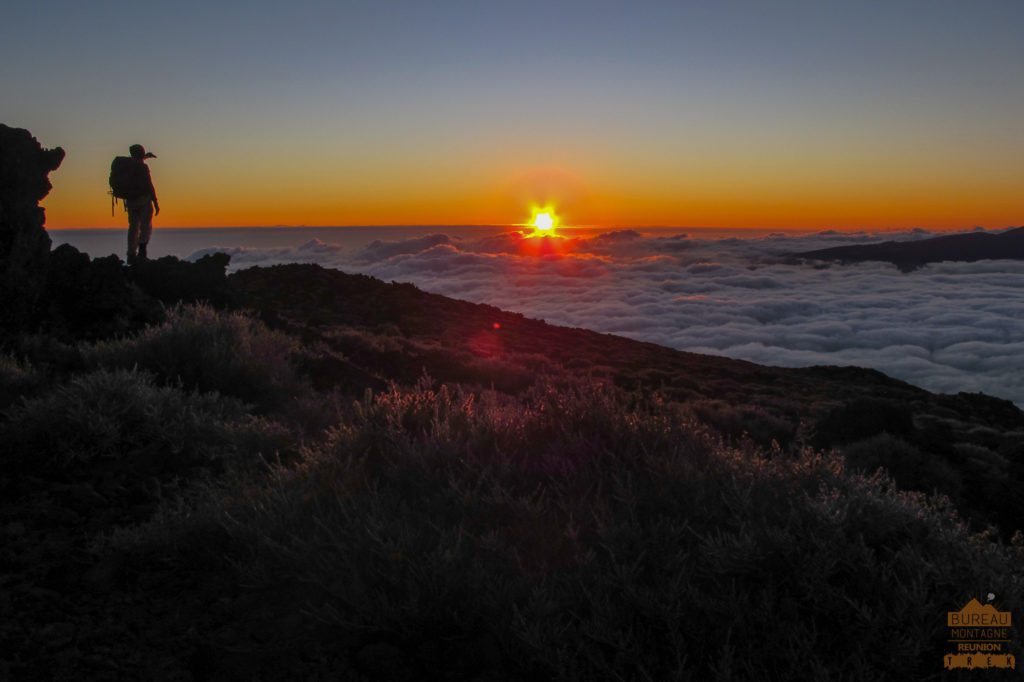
(909, 256)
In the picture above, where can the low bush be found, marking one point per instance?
(46, 353)
(122, 415)
(982, 458)
(18, 379)
(593, 534)
(911, 468)
(206, 350)
(744, 421)
(863, 418)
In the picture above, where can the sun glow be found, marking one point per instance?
(544, 220)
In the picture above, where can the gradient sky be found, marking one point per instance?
(801, 115)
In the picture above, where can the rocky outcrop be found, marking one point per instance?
(24, 245)
(171, 280)
(99, 297)
(92, 298)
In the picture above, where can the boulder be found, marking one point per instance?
(24, 245)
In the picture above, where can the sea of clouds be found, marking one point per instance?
(947, 327)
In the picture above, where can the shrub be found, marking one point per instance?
(17, 380)
(50, 354)
(121, 415)
(982, 458)
(207, 350)
(908, 466)
(748, 421)
(597, 535)
(863, 418)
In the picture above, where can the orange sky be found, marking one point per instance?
(589, 192)
(740, 114)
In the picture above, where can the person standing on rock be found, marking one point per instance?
(131, 182)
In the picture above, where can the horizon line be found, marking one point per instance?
(566, 227)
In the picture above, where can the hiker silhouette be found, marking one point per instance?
(131, 182)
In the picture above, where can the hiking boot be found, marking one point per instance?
(142, 252)
(132, 258)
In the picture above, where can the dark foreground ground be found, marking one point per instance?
(324, 476)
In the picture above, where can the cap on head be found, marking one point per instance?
(139, 152)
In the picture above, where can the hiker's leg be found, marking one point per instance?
(145, 227)
(133, 233)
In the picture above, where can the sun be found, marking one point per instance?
(543, 222)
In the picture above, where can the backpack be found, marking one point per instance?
(128, 178)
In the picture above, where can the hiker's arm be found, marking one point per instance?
(152, 191)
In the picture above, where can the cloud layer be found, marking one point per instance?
(947, 327)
